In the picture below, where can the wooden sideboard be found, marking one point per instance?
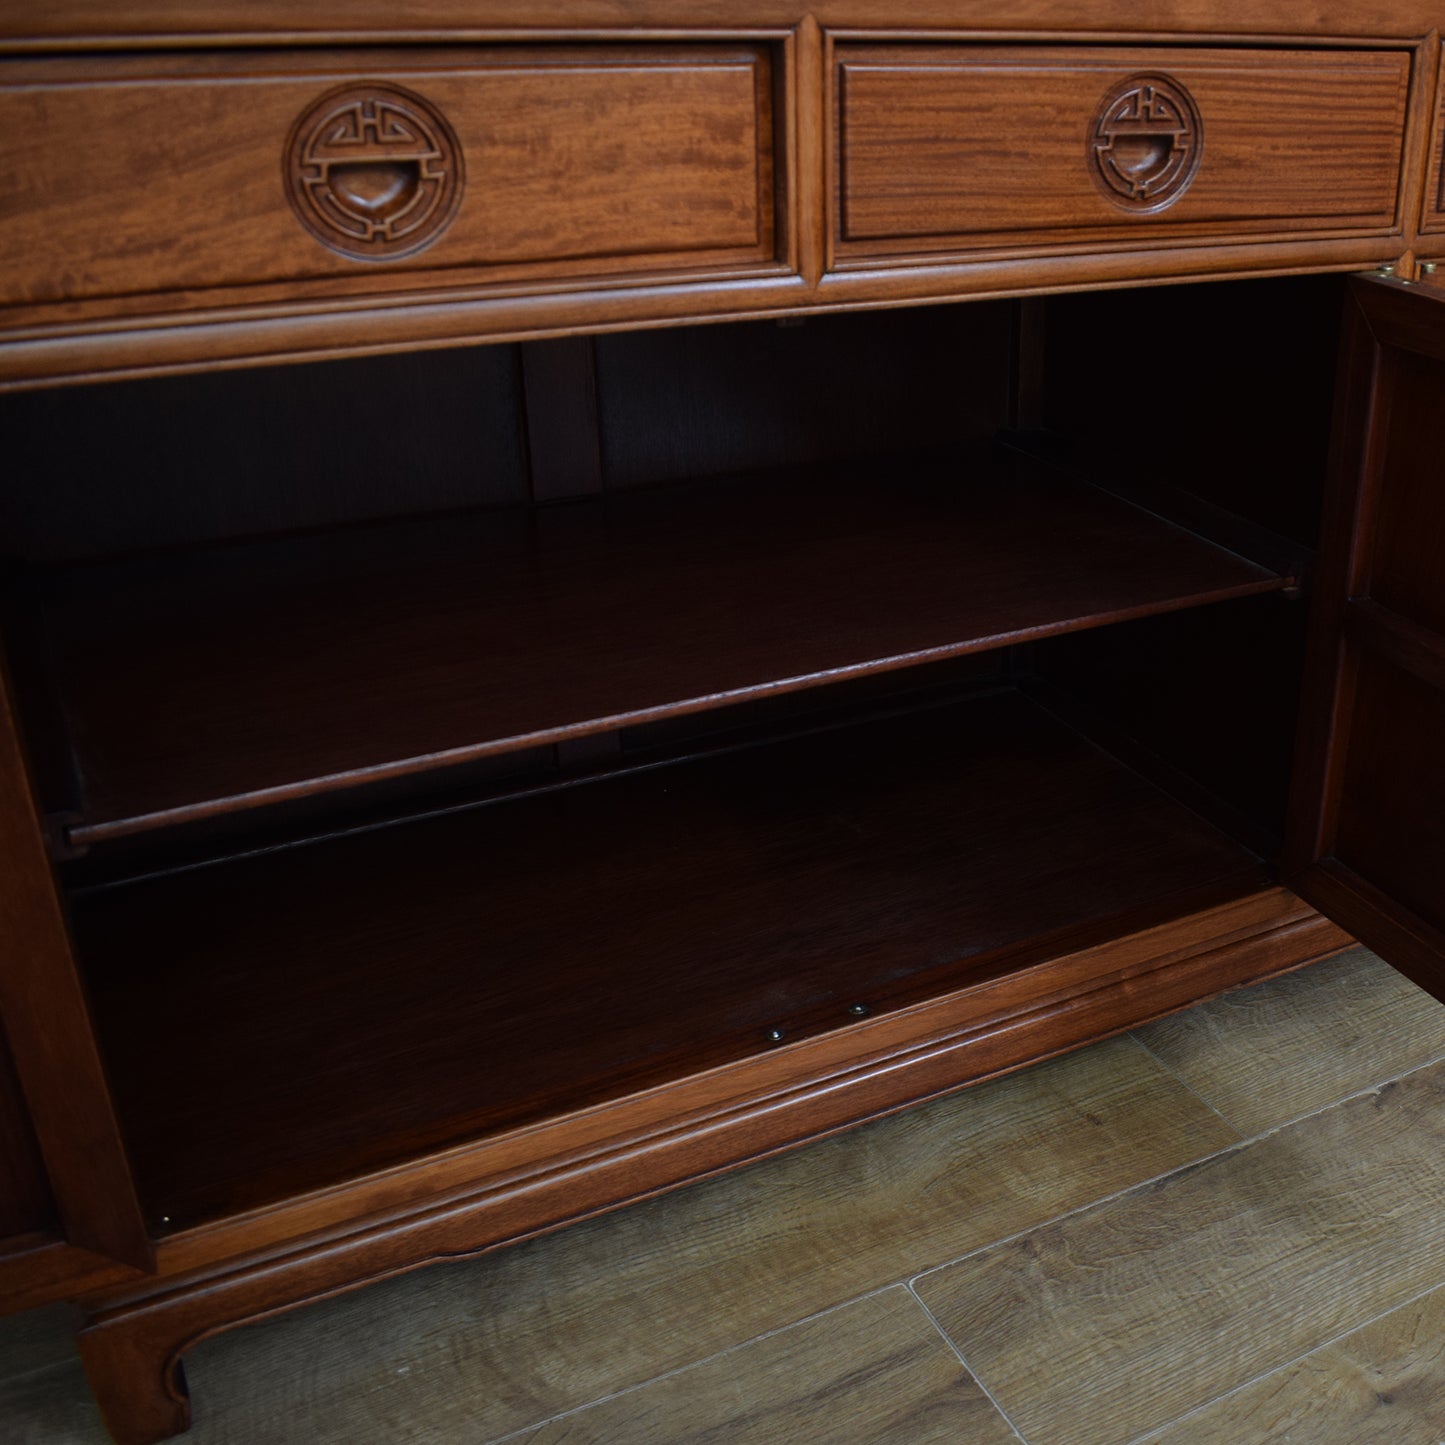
(482, 742)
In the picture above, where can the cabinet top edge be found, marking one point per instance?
(105, 24)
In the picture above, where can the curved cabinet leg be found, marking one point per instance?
(138, 1381)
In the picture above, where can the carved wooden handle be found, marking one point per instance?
(373, 171)
(1145, 142)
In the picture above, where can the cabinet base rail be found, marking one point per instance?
(134, 1339)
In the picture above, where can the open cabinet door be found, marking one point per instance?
(1367, 815)
(63, 1164)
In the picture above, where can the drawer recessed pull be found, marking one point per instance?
(1145, 142)
(373, 171)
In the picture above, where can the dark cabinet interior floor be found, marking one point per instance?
(288, 1021)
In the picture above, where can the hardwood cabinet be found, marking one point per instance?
(448, 790)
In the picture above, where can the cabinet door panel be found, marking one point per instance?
(46, 1021)
(26, 1206)
(1367, 839)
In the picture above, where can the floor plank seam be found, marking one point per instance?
(972, 1373)
(1232, 1148)
(1155, 1431)
(1360, 1093)
(1189, 1088)
(1203, 1159)
(691, 1364)
(7, 1381)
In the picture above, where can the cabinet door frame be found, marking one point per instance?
(1386, 324)
(46, 1017)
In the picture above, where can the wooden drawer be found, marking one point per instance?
(947, 148)
(358, 171)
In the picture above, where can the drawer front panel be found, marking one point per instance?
(117, 181)
(956, 147)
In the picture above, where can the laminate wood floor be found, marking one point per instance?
(1228, 1227)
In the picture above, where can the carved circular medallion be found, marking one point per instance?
(373, 171)
(1146, 142)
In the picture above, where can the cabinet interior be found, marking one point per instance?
(433, 745)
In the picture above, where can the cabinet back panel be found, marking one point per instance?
(182, 460)
(703, 401)
(1212, 692)
(1221, 390)
(286, 1022)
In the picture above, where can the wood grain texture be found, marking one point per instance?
(1265, 1055)
(939, 154)
(1157, 1302)
(1432, 201)
(602, 161)
(216, 681)
(114, 340)
(876, 1370)
(510, 1339)
(137, 19)
(1381, 1385)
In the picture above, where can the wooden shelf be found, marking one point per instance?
(207, 682)
(291, 1021)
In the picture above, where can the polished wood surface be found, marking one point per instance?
(137, 21)
(652, 157)
(1308, 181)
(937, 152)
(219, 680)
